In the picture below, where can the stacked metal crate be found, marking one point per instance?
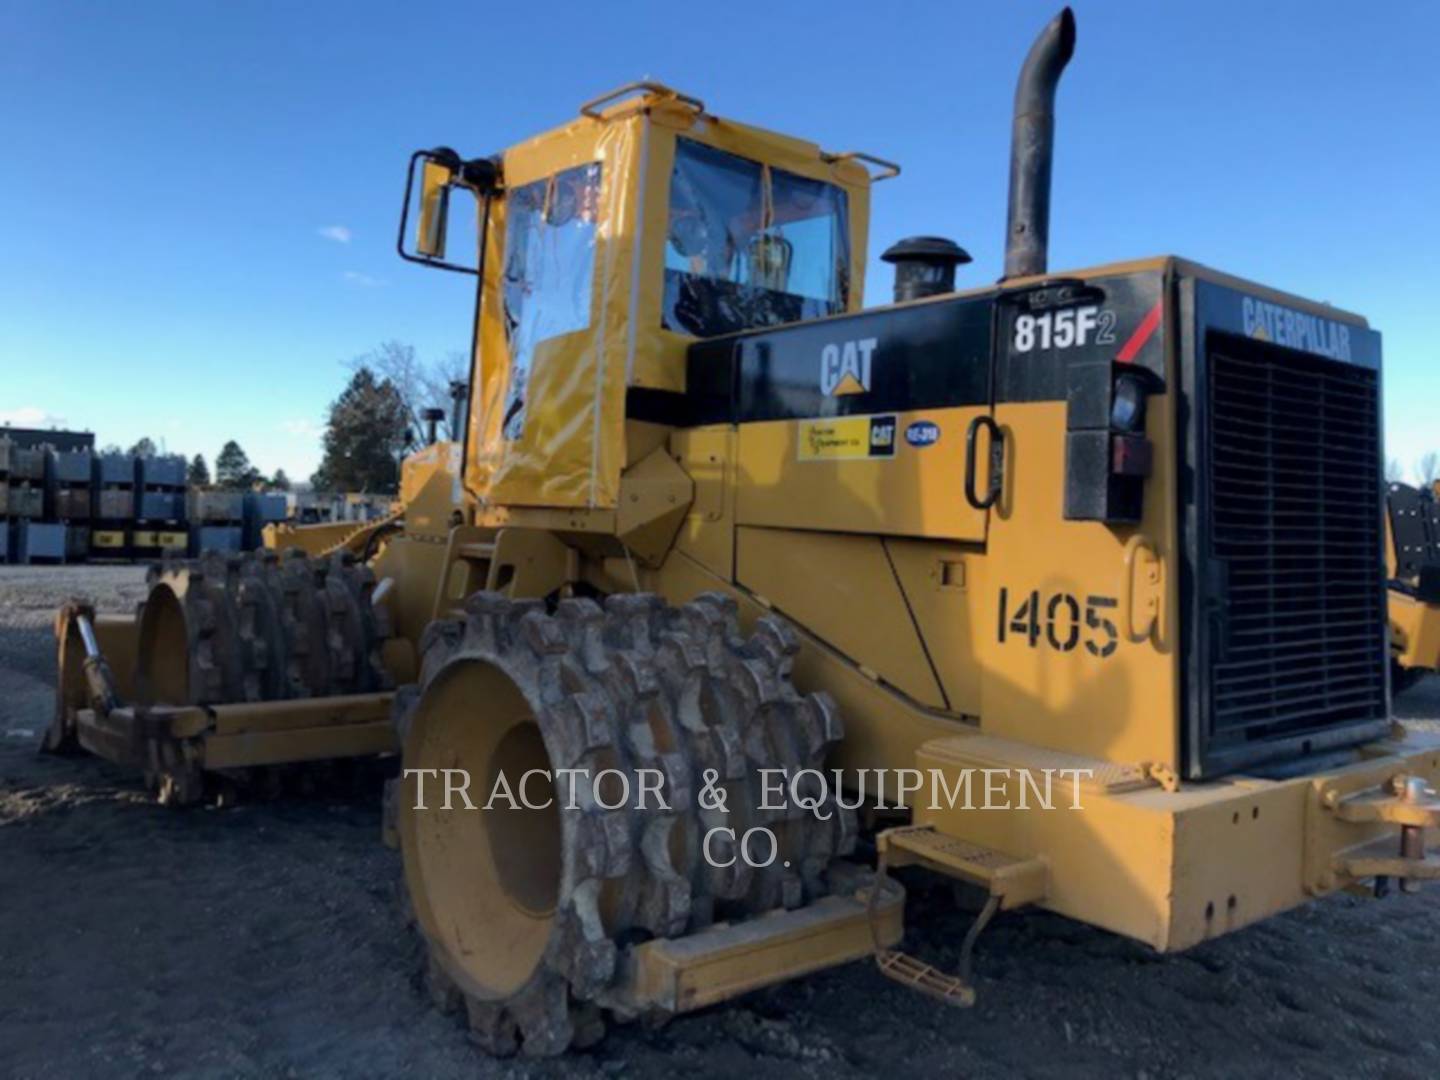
(217, 521)
(69, 480)
(160, 519)
(262, 509)
(112, 481)
(26, 500)
(30, 536)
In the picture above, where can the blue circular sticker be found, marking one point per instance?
(922, 433)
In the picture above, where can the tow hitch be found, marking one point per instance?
(1354, 836)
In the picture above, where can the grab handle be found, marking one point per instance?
(1151, 598)
(994, 481)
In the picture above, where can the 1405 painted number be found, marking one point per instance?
(1059, 622)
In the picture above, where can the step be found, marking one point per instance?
(1015, 880)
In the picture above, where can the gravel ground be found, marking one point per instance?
(266, 941)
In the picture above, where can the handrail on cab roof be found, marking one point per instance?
(592, 109)
(888, 169)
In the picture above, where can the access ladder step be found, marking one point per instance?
(1015, 881)
(918, 975)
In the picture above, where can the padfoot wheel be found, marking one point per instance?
(528, 913)
(257, 627)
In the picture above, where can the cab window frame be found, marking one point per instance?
(741, 235)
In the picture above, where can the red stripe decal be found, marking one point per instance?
(1147, 327)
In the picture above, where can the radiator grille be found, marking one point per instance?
(1294, 535)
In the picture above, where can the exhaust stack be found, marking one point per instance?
(459, 408)
(1032, 148)
(432, 418)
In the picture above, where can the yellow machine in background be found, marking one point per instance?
(431, 501)
(1412, 533)
(714, 518)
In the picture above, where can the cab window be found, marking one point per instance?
(549, 272)
(749, 245)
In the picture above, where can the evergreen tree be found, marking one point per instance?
(233, 471)
(197, 473)
(364, 437)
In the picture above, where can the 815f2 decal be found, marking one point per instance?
(1058, 622)
(1064, 329)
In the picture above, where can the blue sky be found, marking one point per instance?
(201, 198)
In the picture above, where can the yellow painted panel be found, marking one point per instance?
(785, 481)
(708, 534)
(942, 585)
(842, 590)
(1085, 690)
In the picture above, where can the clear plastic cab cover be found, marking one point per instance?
(549, 273)
(750, 245)
(548, 415)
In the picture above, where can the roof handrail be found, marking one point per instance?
(592, 109)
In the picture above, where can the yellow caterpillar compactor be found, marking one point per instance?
(1116, 530)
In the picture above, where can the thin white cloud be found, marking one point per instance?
(341, 234)
(300, 427)
(31, 416)
(355, 277)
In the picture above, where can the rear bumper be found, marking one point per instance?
(1173, 868)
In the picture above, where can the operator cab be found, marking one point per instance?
(608, 246)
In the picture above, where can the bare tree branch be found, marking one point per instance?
(421, 385)
(1427, 468)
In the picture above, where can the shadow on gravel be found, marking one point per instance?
(27, 651)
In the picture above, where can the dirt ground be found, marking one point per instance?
(265, 941)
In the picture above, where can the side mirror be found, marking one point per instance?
(435, 180)
(442, 171)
